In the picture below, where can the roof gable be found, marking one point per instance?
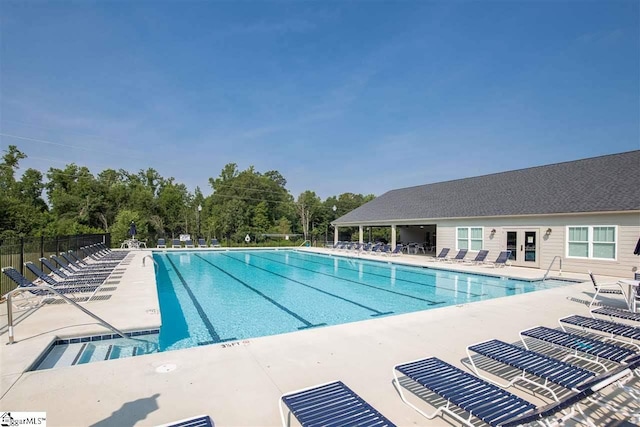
(598, 184)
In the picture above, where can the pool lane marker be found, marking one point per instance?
(471, 294)
(215, 338)
(376, 312)
(430, 302)
(307, 324)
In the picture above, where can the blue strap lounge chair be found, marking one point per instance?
(94, 283)
(75, 271)
(104, 258)
(62, 271)
(104, 251)
(189, 243)
(479, 259)
(615, 331)
(579, 345)
(23, 282)
(530, 362)
(548, 368)
(161, 243)
(68, 274)
(197, 421)
(376, 248)
(398, 250)
(176, 243)
(331, 404)
(73, 264)
(81, 263)
(613, 313)
(75, 258)
(202, 243)
(25, 300)
(502, 259)
(385, 249)
(68, 285)
(459, 256)
(99, 255)
(215, 243)
(486, 401)
(441, 256)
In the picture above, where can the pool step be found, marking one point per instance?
(61, 355)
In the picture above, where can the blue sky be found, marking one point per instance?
(338, 96)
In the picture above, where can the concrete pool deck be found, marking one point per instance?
(239, 383)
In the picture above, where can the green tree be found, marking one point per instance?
(172, 202)
(308, 207)
(260, 221)
(247, 201)
(22, 208)
(284, 226)
(78, 202)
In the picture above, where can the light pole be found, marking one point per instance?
(334, 209)
(199, 210)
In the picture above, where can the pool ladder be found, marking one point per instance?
(551, 265)
(151, 258)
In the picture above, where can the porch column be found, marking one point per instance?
(393, 236)
(335, 235)
(360, 229)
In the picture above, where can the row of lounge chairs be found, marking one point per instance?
(385, 249)
(69, 274)
(485, 400)
(480, 258)
(177, 243)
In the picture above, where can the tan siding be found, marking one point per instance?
(555, 244)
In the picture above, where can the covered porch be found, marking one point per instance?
(418, 238)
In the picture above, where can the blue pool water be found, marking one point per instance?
(214, 297)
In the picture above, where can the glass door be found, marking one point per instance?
(523, 244)
(512, 244)
(530, 247)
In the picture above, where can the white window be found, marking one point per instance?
(598, 242)
(469, 238)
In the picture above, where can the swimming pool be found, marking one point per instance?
(211, 297)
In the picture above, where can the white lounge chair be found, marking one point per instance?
(607, 288)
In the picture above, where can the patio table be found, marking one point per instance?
(633, 286)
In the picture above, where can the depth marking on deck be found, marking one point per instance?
(430, 302)
(207, 323)
(377, 312)
(307, 324)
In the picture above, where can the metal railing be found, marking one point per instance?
(151, 258)
(61, 295)
(149, 346)
(15, 252)
(551, 265)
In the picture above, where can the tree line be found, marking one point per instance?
(240, 203)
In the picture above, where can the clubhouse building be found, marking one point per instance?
(586, 212)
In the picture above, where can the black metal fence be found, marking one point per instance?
(15, 252)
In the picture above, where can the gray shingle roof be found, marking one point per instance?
(599, 184)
